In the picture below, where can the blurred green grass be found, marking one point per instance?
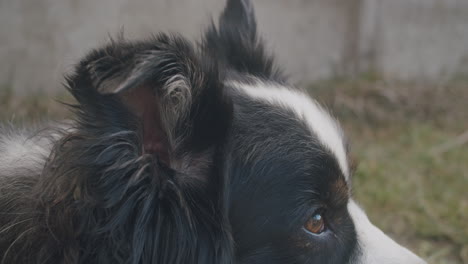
(418, 197)
(36, 107)
(412, 184)
(412, 190)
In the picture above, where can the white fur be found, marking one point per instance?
(22, 152)
(319, 121)
(375, 246)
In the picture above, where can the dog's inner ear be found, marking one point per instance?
(144, 104)
(174, 94)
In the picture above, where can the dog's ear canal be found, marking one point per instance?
(175, 94)
(144, 103)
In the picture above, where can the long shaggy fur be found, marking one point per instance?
(181, 154)
(97, 197)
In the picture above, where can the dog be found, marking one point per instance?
(183, 153)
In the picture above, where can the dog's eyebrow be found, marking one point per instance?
(340, 189)
(318, 120)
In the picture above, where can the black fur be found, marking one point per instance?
(237, 45)
(100, 198)
(226, 180)
(280, 174)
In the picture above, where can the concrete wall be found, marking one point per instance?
(404, 39)
(417, 38)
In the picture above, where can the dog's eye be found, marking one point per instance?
(316, 223)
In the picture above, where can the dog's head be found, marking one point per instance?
(185, 154)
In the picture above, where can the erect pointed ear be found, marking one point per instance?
(239, 15)
(236, 45)
(174, 94)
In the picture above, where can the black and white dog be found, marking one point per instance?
(186, 154)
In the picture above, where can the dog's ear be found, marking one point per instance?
(236, 44)
(138, 173)
(170, 94)
(239, 15)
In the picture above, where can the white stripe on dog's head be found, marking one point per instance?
(374, 245)
(319, 121)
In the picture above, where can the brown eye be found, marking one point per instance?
(315, 224)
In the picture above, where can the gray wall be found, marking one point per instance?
(417, 38)
(314, 39)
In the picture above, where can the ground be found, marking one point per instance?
(410, 143)
(407, 140)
